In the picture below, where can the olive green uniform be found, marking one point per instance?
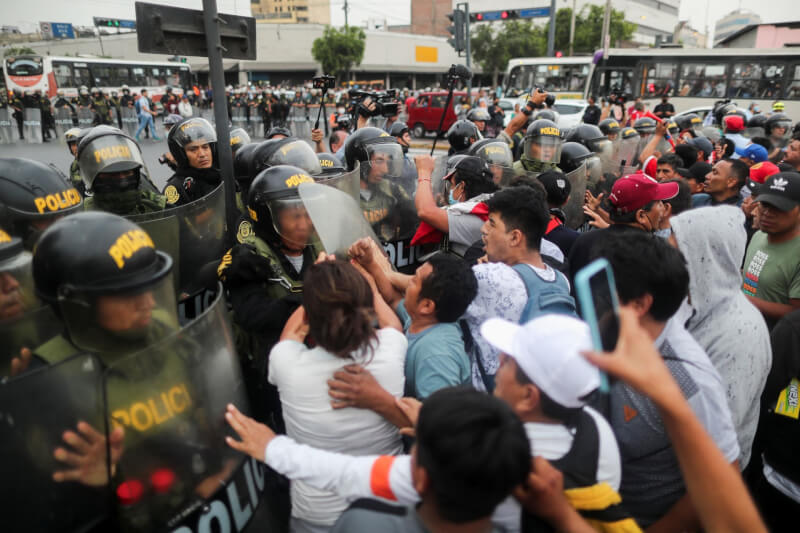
(127, 203)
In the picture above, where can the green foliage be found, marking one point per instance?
(19, 51)
(338, 50)
(493, 45)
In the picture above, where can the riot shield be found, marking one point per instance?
(170, 399)
(32, 125)
(115, 117)
(86, 117)
(130, 122)
(30, 330)
(625, 156)
(712, 133)
(754, 131)
(336, 215)
(63, 121)
(193, 234)
(349, 182)
(573, 209)
(8, 126)
(438, 185)
(256, 123)
(37, 408)
(239, 118)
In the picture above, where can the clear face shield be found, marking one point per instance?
(573, 209)
(595, 168)
(604, 151)
(754, 131)
(109, 155)
(544, 148)
(298, 154)
(697, 126)
(781, 129)
(385, 162)
(500, 160)
(628, 149)
(17, 295)
(292, 223)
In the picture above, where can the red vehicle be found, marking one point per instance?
(426, 111)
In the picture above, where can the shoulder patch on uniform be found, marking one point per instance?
(244, 231)
(171, 192)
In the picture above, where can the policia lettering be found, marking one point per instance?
(119, 151)
(143, 415)
(128, 244)
(55, 202)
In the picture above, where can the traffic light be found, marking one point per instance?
(106, 22)
(506, 14)
(457, 29)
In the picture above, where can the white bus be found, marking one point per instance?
(50, 74)
(692, 78)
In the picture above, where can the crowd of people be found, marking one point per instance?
(409, 341)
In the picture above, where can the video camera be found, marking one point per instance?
(324, 82)
(386, 104)
(459, 72)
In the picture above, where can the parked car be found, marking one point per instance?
(426, 111)
(570, 112)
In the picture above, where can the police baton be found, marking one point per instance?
(456, 72)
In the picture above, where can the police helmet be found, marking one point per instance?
(125, 87)
(689, 122)
(543, 142)
(609, 126)
(478, 114)
(288, 151)
(95, 254)
(243, 168)
(589, 135)
(108, 150)
(672, 127)
(15, 265)
(462, 134)
(330, 165)
(493, 152)
(645, 125)
(757, 121)
(273, 190)
(94, 90)
(398, 129)
(545, 114)
(365, 145)
(278, 130)
(573, 155)
(83, 90)
(778, 120)
(72, 135)
(720, 109)
(629, 133)
(239, 138)
(190, 131)
(32, 192)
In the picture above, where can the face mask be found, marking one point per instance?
(663, 233)
(450, 199)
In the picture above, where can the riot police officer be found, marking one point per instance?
(193, 144)
(497, 154)
(610, 128)
(385, 203)
(47, 121)
(73, 137)
(263, 273)
(541, 148)
(399, 130)
(101, 107)
(238, 138)
(461, 135)
(127, 100)
(330, 166)
(112, 169)
(18, 105)
(114, 103)
(479, 116)
(33, 196)
(84, 99)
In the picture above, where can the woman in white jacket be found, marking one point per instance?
(184, 107)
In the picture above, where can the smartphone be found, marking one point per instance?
(599, 305)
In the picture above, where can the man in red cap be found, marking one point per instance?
(636, 203)
(734, 126)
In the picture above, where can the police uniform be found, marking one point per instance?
(189, 184)
(538, 131)
(383, 209)
(101, 109)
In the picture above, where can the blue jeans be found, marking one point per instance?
(146, 119)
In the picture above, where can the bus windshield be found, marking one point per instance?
(24, 66)
(551, 78)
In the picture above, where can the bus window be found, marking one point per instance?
(185, 78)
(120, 76)
(24, 66)
(702, 79)
(659, 79)
(756, 80)
(138, 77)
(156, 77)
(63, 73)
(172, 77)
(618, 81)
(101, 75)
(81, 75)
(793, 91)
(519, 81)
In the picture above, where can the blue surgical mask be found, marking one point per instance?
(450, 199)
(663, 233)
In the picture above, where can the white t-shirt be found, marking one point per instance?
(301, 375)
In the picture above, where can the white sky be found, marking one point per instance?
(28, 13)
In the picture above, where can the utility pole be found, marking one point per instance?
(346, 9)
(469, 51)
(551, 34)
(572, 29)
(606, 37)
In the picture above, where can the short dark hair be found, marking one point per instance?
(762, 141)
(626, 218)
(646, 264)
(739, 170)
(673, 160)
(452, 286)
(523, 208)
(688, 153)
(699, 171)
(683, 200)
(335, 136)
(474, 450)
(729, 146)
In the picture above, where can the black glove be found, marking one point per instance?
(241, 265)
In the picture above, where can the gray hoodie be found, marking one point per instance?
(728, 327)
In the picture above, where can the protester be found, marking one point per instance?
(723, 184)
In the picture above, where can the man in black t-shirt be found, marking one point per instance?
(664, 109)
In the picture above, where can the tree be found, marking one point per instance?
(19, 51)
(589, 29)
(338, 50)
(492, 46)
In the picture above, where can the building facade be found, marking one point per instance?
(291, 11)
(732, 23)
(776, 35)
(688, 36)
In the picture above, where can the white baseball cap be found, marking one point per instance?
(547, 349)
